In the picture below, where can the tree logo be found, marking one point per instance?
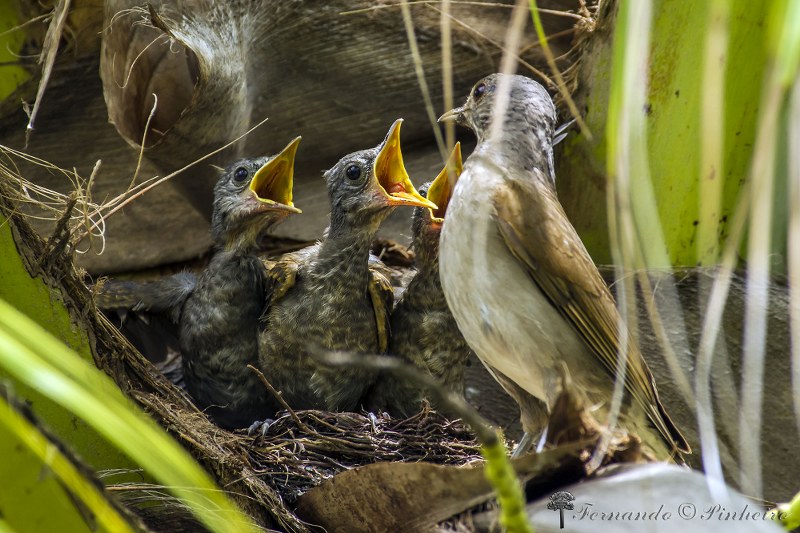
(560, 501)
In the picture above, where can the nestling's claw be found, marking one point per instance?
(374, 420)
(259, 428)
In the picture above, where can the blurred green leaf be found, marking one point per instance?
(11, 74)
(672, 113)
(35, 358)
(40, 477)
(33, 297)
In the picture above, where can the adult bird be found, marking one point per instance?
(424, 332)
(522, 287)
(218, 310)
(327, 297)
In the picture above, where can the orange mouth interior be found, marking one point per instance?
(391, 175)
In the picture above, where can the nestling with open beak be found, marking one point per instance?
(522, 287)
(218, 311)
(326, 297)
(218, 330)
(424, 332)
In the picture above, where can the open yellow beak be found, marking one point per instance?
(442, 187)
(391, 175)
(272, 183)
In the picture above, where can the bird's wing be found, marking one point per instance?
(165, 295)
(382, 296)
(546, 243)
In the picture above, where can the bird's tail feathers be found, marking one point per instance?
(672, 435)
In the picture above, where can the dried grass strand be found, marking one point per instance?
(47, 59)
(554, 12)
(421, 81)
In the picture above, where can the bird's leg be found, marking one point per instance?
(260, 427)
(374, 421)
(526, 441)
(523, 445)
(542, 441)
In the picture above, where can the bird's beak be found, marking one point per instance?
(272, 183)
(442, 187)
(391, 175)
(455, 115)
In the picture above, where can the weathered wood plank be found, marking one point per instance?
(337, 80)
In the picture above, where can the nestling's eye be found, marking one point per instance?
(479, 91)
(240, 174)
(353, 172)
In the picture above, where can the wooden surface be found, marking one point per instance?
(73, 132)
(337, 80)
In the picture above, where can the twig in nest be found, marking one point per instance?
(393, 253)
(551, 62)
(60, 237)
(449, 401)
(423, 84)
(279, 397)
(556, 12)
(494, 43)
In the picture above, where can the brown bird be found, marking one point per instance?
(327, 297)
(522, 287)
(424, 332)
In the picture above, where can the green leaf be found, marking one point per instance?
(11, 74)
(43, 305)
(39, 476)
(509, 492)
(675, 70)
(32, 356)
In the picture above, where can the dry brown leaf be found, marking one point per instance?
(416, 496)
(139, 61)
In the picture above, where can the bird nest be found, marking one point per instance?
(302, 449)
(299, 451)
(268, 471)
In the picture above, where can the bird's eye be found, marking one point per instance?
(240, 174)
(479, 90)
(353, 172)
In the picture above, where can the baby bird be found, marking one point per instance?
(218, 310)
(424, 332)
(327, 297)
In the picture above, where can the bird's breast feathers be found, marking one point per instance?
(500, 311)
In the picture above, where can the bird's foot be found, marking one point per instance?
(542, 441)
(526, 442)
(374, 421)
(523, 445)
(259, 428)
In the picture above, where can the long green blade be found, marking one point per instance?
(35, 358)
(41, 477)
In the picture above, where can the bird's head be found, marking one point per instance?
(529, 105)
(252, 195)
(365, 186)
